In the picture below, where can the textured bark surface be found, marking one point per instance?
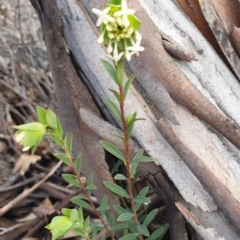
(191, 107)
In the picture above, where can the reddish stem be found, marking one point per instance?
(127, 155)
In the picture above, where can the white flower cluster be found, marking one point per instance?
(119, 31)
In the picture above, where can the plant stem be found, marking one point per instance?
(127, 156)
(85, 192)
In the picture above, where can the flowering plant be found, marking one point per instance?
(119, 30)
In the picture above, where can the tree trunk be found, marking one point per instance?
(186, 89)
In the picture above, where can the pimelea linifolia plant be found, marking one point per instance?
(119, 33)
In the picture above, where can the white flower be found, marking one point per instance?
(101, 37)
(135, 48)
(116, 56)
(103, 16)
(124, 12)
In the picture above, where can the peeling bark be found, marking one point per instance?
(191, 108)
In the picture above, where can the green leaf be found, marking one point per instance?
(120, 177)
(112, 106)
(113, 150)
(133, 169)
(80, 215)
(143, 230)
(78, 163)
(41, 114)
(74, 215)
(103, 208)
(91, 187)
(55, 137)
(86, 222)
(142, 159)
(116, 166)
(127, 85)
(120, 73)
(130, 129)
(143, 200)
(81, 203)
(124, 217)
(131, 117)
(71, 179)
(66, 212)
(132, 226)
(59, 127)
(116, 189)
(159, 233)
(118, 227)
(51, 118)
(110, 70)
(116, 94)
(90, 179)
(143, 192)
(68, 142)
(116, 2)
(150, 217)
(135, 22)
(120, 209)
(61, 223)
(63, 158)
(130, 236)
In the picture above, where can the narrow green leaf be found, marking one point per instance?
(132, 226)
(118, 227)
(143, 230)
(119, 135)
(103, 208)
(116, 189)
(131, 117)
(80, 215)
(116, 94)
(68, 142)
(78, 163)
(143, 200)
(124, 217)
(159, 233)
(55, 137)
(142, 159)
(116, 166)
(130, 236)
(71, 179)
(138, 154)
(130, 129)
(150, 217)
(41, 114)
(143, 192)
(120, 73)
(112, 106)
(81, 203)
(113, 150)
(63, 158)
(90, 179)
(59, 127)
(91, 187)
(120, 177)
(127, 85)
(120, 209)
(110, 70)
(51, 118)
(74, 215)
(86, 222)
(133, 169)
(104, 200)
